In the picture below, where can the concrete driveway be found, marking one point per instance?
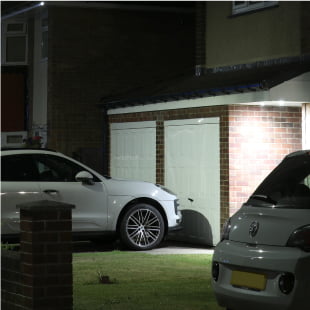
(167, 247)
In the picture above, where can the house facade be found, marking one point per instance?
(205, 102)
(212, 137)
(71, 53)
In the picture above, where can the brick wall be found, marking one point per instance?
(253, 140)
(96, 52)
(11, 286)
(40, 276)
(259, 138)
(46, 255)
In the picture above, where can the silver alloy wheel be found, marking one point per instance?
(143, 227)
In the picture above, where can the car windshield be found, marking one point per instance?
(287, 186)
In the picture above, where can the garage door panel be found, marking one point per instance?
(133, 151)
(192, 171)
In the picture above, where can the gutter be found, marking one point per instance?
(211, 92)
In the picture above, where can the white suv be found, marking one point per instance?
(140, 213)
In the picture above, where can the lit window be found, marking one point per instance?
(248, 6)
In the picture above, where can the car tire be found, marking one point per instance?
(142, 227)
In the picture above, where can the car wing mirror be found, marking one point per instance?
(85, 177)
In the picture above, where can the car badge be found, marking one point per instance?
(253, 229)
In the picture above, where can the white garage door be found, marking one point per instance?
(192, 170)
(133, 151)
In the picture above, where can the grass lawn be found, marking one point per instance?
(142, 281)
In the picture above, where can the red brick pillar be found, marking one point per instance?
(46, 255)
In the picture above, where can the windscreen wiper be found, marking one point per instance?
(264, 198)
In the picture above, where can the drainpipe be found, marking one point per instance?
(200, 53)
(105, 144)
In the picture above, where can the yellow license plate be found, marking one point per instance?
(249, 280)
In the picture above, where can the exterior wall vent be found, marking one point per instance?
(13, 139)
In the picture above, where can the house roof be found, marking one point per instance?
(220, 81)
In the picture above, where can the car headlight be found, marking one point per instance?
(226, 230)
(176, 206)
(300, 238)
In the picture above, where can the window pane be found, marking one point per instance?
(16, 49)
(18, 168)
(14, 139)
(55, 169)
(288, 185)
(247, 6)
(15, 28)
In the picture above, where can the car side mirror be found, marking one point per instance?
(84, 177)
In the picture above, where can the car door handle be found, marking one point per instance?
(51, 191)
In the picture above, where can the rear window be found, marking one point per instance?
(287, 186)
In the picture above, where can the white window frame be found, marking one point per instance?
(11, 34)
(24, 30)
(248, 6)
(44, 29)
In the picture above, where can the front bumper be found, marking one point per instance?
(178, 223)
(271, 262)
(173, 214)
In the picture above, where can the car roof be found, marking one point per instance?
(12, 151)
(298, 153)
(25, 149)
